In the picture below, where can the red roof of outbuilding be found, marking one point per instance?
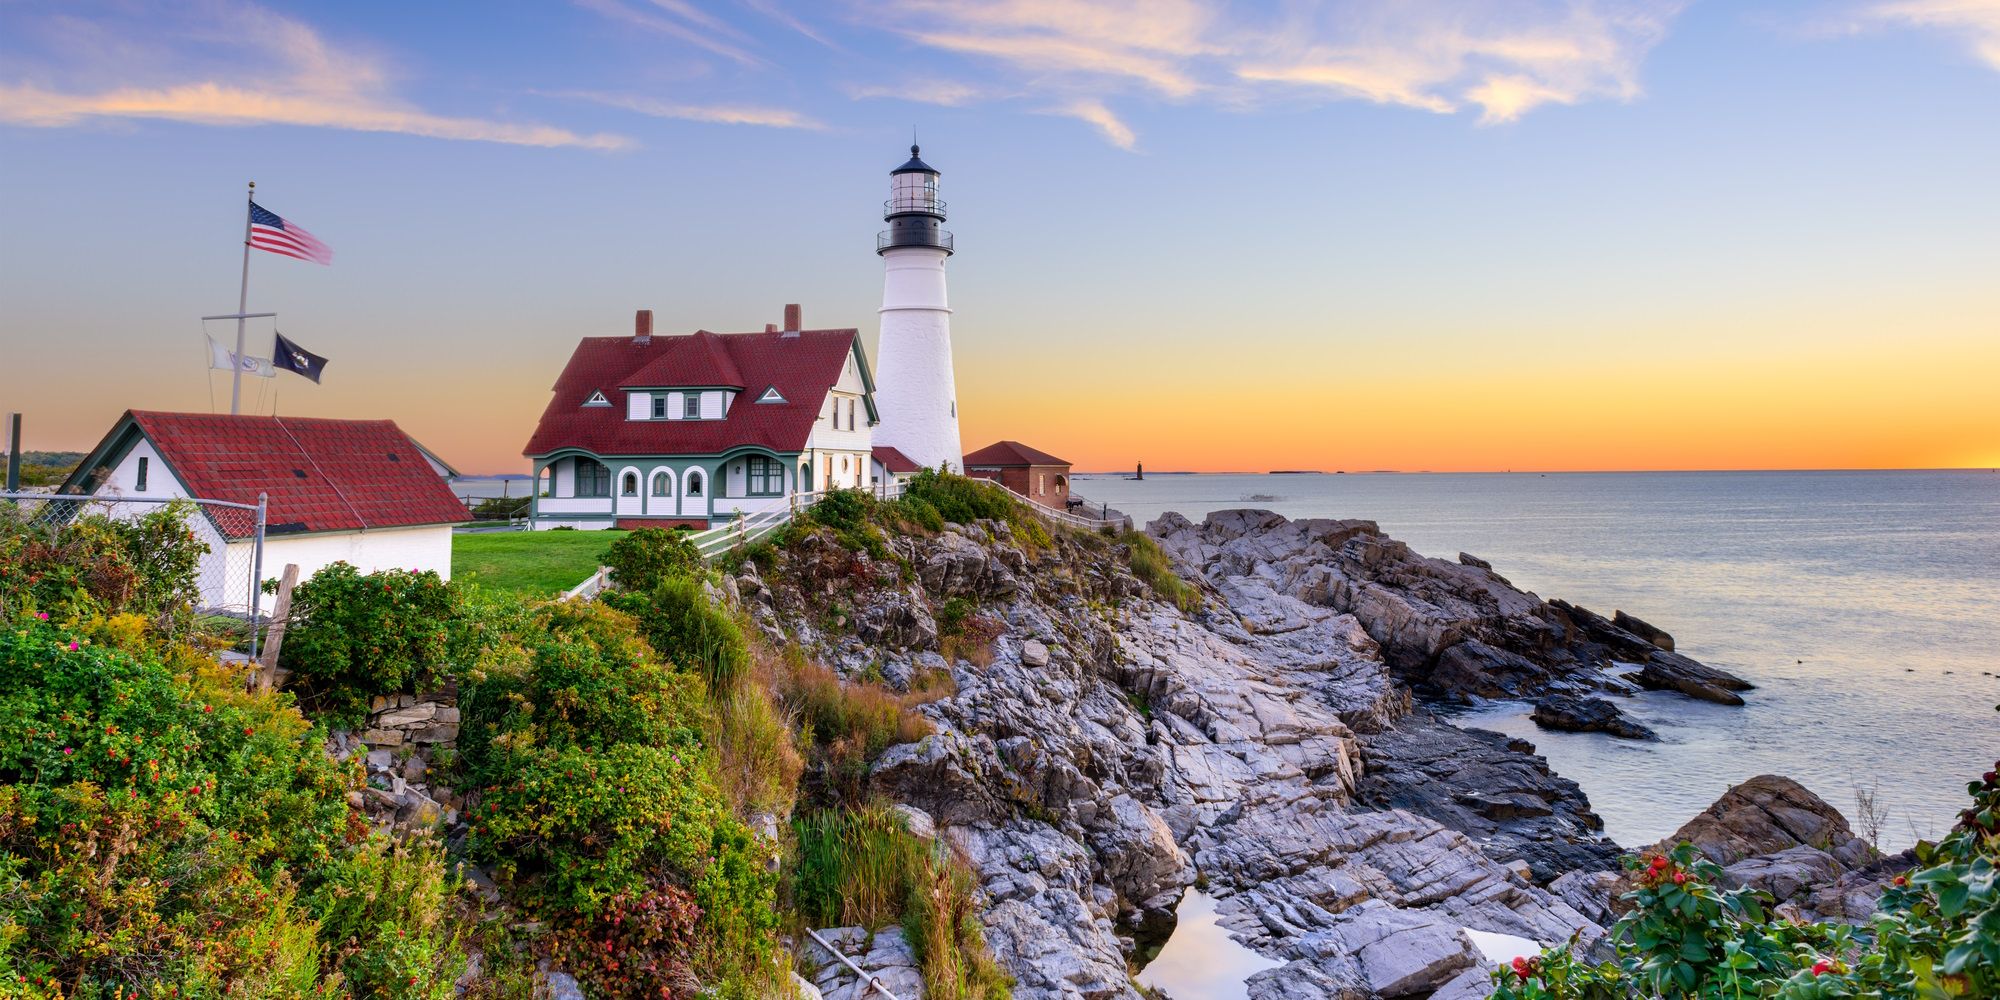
(1011, 453)
(319, 474)
(894, 461)
(801, 365)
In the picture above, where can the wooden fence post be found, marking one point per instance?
(275, 638)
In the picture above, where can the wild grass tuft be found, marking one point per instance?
(863, 867)
(1151, 565)
(757, 756)
(846, 724)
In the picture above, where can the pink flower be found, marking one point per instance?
(43, 615)
(68, 750)
(73, 647)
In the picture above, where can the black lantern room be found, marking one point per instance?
(914, 212)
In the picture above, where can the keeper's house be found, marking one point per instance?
(357, 491)
(703, 427)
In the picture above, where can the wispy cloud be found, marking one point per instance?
(1115, 131)
(678, 20)
(718, 113)
(1977, 20)
(1502, 58)
(308, 82)
(943, 93)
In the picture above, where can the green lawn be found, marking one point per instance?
(528, 563)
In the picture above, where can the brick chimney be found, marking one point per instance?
(642, 327)
(792, 320)
(770, 328)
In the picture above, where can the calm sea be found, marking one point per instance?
(1864, 605)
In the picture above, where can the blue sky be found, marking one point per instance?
(1344, 235)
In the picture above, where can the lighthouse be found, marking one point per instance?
(915, 394)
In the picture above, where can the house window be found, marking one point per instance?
(659, 407)
(141, 484)
(1041, 483)
(766, 477)
(691, 406)
(663, 484)
(694, 482)
(592, 479)
(850, 414)
(629, 487)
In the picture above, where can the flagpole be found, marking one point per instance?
(242, 306)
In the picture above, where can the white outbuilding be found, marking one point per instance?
(356, 491)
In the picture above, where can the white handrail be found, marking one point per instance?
(873, 982)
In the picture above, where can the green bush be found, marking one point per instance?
(1935, 934)
(354, 636)
(388, 912)
(99, 565)
(643, 558)
(850, 514)
(593, 789)
(500, 508)
(934, 496)
(686, 627)
(163, 831)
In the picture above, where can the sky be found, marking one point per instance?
(1371, 234)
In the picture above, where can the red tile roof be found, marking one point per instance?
(320, 475)
(1011, 453)
(802, 366)
(895, 462)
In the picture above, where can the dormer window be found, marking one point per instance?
(691, 406)
(771, 395)
(597, 399)
(660, 407)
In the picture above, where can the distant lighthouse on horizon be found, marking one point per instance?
(915, 393)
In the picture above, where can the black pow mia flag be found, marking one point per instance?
(290, 357)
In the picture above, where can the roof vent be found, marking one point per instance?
(642, 328)
(393, 457)
(301, 473)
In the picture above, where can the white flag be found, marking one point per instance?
(220, 357)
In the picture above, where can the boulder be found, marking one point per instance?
(1572, 714)
(1402, 952)
(1787, 874)
(1769, 814)
(1034, 653)
(1639, 627)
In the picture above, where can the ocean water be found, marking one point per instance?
(1865, 606)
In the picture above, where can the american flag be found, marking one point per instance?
(270, 231)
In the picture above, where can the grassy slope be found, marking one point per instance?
(528, 563)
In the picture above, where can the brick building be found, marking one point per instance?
(1034, 474)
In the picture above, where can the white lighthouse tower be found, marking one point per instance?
(915, 394)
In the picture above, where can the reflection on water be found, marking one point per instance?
(1502, 948)
(1863, 605)
(1200, 961)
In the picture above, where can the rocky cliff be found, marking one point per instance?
(1109, 748)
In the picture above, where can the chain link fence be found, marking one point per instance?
(227, 576)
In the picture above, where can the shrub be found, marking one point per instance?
(500, 508)
(951, 497)
(574, 674)
(593, 790)
(642, 559)
(355, 636)
(685, 626)
(100, 565)
(388, 913)
(639, 948)
(133, 774)
(1935, 934)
